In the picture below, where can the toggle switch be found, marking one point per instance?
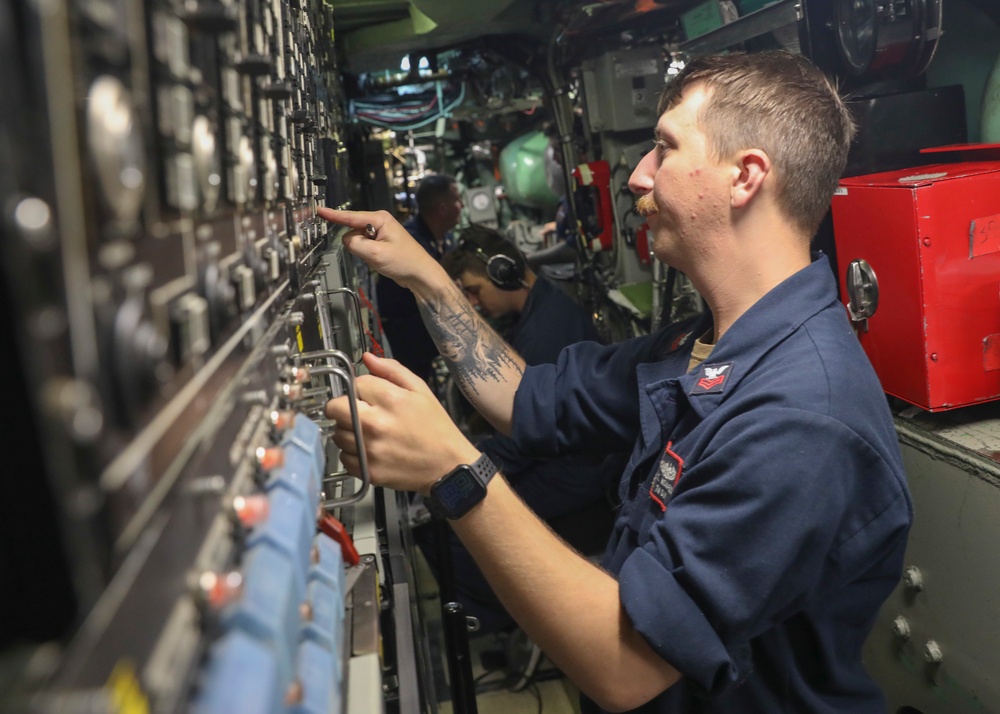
(283, 419)
(254, 64)
(269, 457)
(251, 510)
(216, 590)
(276, 90)
(243, 279)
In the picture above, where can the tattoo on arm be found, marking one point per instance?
(473, 350)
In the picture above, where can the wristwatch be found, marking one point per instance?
(455, 493)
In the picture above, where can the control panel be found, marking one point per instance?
(178, 317)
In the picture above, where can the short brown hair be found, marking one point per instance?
(476, 246)
(781, 103)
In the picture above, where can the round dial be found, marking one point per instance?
(856, 33)
(480, 201)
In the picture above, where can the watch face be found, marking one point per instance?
(458, 492)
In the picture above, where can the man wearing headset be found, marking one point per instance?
(496, 279)
(569, 493)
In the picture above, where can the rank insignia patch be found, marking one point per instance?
(668, 470)
(713, 378)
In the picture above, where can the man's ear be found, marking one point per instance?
(752, 167)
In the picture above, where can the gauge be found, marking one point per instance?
(886, 39)
(856, 33)
(480, 201)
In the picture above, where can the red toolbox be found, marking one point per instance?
(919, 259)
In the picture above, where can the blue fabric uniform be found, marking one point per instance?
(409, 340)
(549, 322)
(555, 489)
(765, 508)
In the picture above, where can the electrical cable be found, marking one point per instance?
(537, 694)
(398, 126)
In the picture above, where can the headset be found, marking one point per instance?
(503, 271)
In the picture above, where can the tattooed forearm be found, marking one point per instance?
(474, 352)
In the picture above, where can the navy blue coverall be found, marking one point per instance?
(765, 508)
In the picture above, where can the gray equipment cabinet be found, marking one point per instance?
(936, 647)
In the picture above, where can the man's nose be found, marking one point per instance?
(641, 180)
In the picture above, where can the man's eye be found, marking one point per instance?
(661, 146)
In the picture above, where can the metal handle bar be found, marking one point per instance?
(357, 312)
(347, 377)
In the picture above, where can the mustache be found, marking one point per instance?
(645, 206)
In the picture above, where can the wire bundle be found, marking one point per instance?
(406, 116)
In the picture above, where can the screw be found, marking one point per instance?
(932, 652)
(901, 628)
(913, 578)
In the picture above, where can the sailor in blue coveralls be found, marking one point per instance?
(765, 508)
(570, 493)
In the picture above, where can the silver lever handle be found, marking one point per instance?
(862, 291)
(298, 358)
(357, 313)
(347, 376)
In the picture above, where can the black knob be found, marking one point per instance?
(212, 17)
(254, 65)
(276, 90)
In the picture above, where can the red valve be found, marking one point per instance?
(335, 530)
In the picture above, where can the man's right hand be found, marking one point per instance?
(410, 440)
(393, 253)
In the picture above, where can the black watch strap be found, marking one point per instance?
(483, 470)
